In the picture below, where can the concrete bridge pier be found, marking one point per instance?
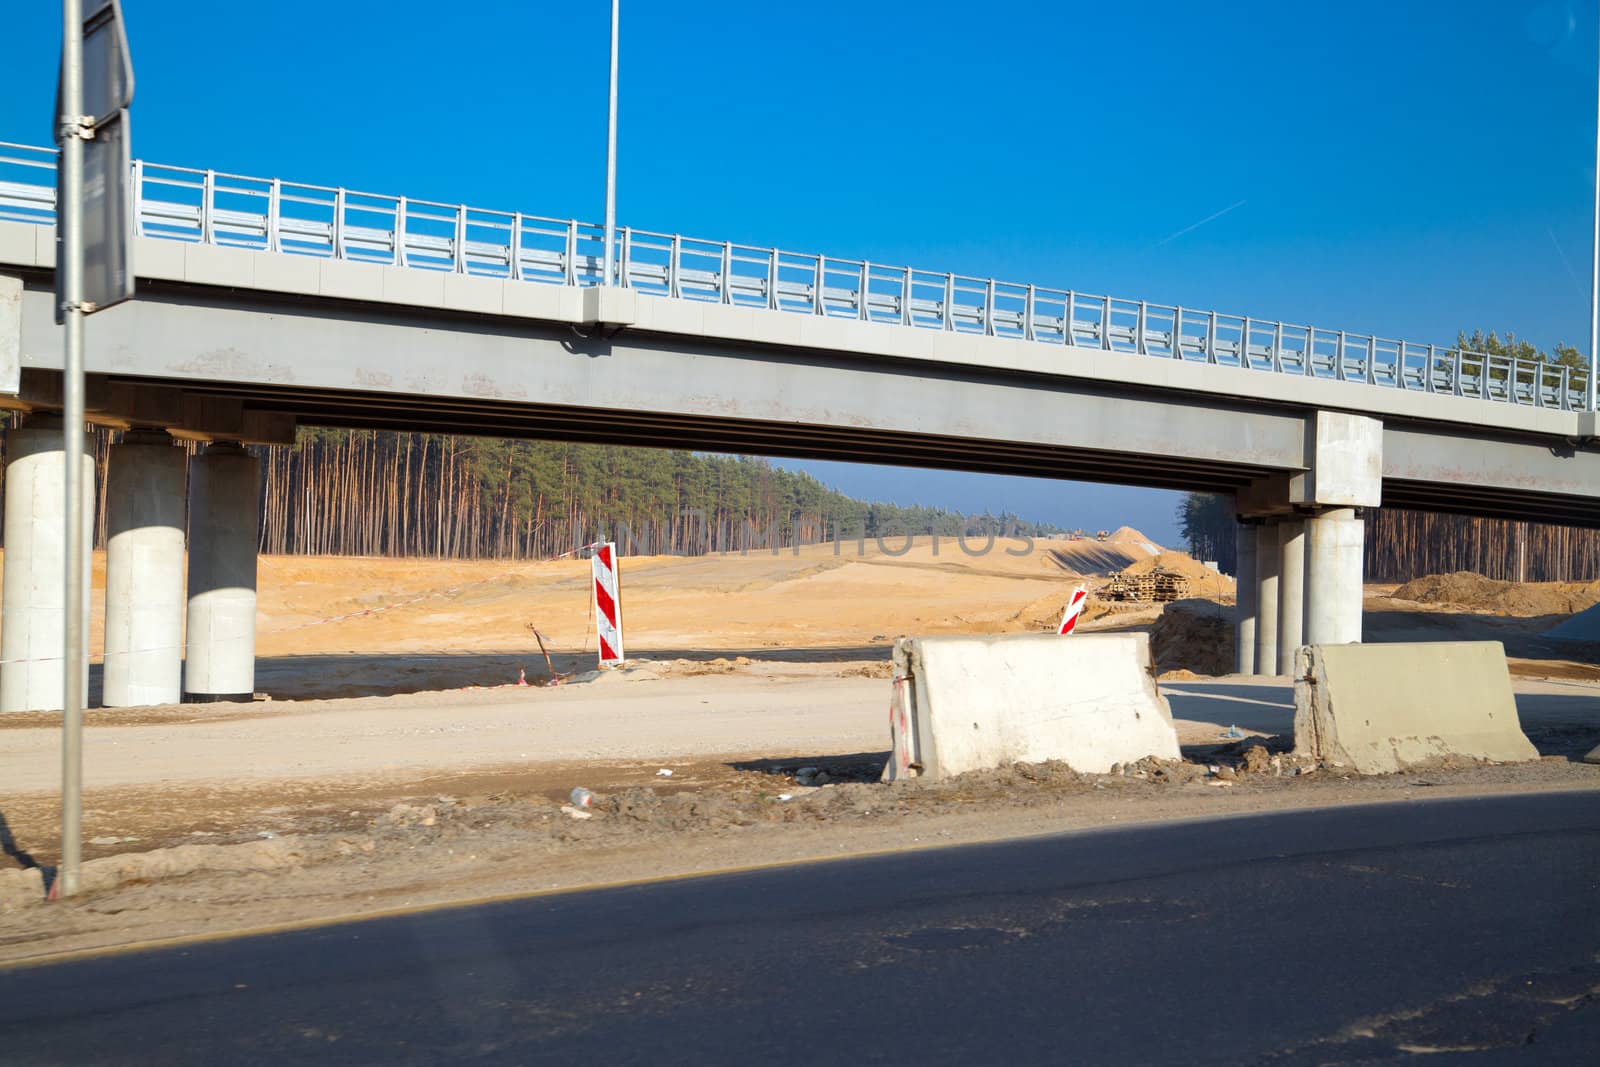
(1245, 609)
(144, 571)
(1268, 588)
(33, 602)
(1291, 591)
(220, 650)
(1334, 587)
(1310, 541)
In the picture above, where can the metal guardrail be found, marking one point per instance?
(209, 207)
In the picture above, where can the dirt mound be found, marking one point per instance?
(1465, 589)
(1193, 635)
(1127, 535)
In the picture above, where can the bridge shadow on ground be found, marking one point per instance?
(363, 674)
(1524, 638)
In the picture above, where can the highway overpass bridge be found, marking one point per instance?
(264, 304)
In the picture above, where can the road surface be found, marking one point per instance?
(1359, 933)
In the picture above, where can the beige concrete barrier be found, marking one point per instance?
(1381, 708)
(970, 703)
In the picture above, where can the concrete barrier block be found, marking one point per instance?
(963, 704)
(1381, 708)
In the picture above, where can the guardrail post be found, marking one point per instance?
(1244, 344)
(1067, 318)
(674, 257)
(865, 292)
(1139, 344)
(949, 302)
(1433, 365)
(338, 224)
(572, 252)
(1310, 357)
(1027, 315)
(1372, 360)
(625, 261)
(1105, 326)
(138, 197)
(905, 300)
(400, 232)
(772, 282)
(1177, 332)
(1457, 381)
(274, 215)
(514, 268)
(988, 308)
(207, 193)
(461, 239)
(819, 299)
(1211, 337)
(727, 272)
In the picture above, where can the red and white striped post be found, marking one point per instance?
(607, 603)
(1069, 618)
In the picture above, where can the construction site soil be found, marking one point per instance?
(396, 764)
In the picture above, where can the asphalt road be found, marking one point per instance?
(1362, 933)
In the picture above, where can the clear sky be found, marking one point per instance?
(1407, 169)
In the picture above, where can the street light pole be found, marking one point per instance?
(70, 218)
(608, 259)
(1594, 268)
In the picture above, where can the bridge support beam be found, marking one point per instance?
(1244, 612)
(1335, 547)
(33, 602)
(144, 572)
(1291, 591)
(1268, 558)
(221, 639)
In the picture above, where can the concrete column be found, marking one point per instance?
(1244, 612)
(144, 572)
(33, 601)
(1268, 557)
(221, 644)
(1333, 589)
(1291, 591)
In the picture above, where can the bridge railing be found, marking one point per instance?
(213, 207)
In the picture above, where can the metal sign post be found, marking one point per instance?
(93, 231)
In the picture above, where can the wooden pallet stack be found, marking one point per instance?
(1155, 586)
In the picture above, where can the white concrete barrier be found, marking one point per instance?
(1378, 709)
(971, 703)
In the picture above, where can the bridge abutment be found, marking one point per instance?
(221, 638)
(33, 601)
(144, 571)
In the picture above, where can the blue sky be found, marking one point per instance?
(1405, 169)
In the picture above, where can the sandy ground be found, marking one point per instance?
(327, 801)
